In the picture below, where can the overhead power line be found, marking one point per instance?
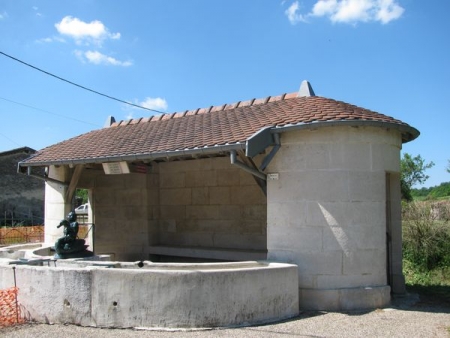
(80, 86)
(49, 112)
(11, 140)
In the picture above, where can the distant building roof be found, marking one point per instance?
(210, 130)
(21, 150)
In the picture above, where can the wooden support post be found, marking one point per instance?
(73, 182)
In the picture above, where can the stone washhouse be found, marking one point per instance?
(294, 178)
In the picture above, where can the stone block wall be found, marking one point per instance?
(210, 203)
(201, 203)
(123, 215)
(327, 213)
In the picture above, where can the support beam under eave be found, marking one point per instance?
(74, 182)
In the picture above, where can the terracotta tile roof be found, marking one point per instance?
(228, 124)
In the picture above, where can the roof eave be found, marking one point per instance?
(408, 133)
(209, 150)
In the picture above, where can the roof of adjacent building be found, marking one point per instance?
(21, 150)
(212, 130)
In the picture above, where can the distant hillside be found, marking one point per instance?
(437, 192)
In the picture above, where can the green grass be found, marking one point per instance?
(435, 277)
(432, 286)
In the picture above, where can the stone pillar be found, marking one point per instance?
(56, 208)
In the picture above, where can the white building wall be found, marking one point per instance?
(327, 213)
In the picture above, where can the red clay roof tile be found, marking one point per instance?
(226, 124)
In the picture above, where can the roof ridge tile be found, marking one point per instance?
(206, 110)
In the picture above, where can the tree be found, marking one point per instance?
(412, 172)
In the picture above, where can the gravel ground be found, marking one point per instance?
(406, 317)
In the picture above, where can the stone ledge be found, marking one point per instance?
(209, 253)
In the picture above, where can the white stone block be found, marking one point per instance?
(298, 239)
(361, 262)
(351, 156)
(286, 159)
(345, 298)
(385, 157)
(349, 281)
(367, 186)
(312, 299)
(351, 238)
(317, 155)
(310, 263)
(364, 297)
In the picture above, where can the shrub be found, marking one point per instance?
(426, 237)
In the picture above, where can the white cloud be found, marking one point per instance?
(350, 11)
(324, 7)
(388, 11)
(293, 14)
(45, 40)
(353, 11)
(36, 10)
(83, 32)
(3, 15)
(154, 103)
(98, 58)
(50, 39)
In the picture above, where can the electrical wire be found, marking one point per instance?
(11, 140)
(80, 86)
(49, 112)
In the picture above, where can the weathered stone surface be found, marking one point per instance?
(157, 295)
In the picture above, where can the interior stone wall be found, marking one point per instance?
(122, 215)
(210, 203)
(327, 213)
(198, 203)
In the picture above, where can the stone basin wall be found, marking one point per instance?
(145, 294)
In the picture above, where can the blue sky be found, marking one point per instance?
(391, 56)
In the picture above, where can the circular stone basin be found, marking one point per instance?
(162, 295)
